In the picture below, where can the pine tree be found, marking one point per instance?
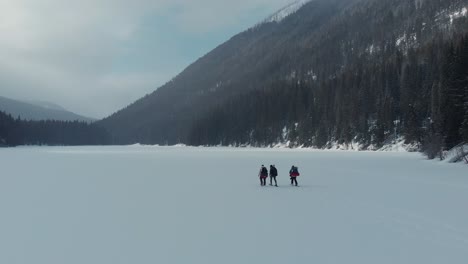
(464, 85)
(464, 129)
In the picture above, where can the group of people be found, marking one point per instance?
(263, 175)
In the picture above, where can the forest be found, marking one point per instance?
(421, 95)
(15, 132)
(335, 72)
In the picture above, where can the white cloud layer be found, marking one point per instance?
(75, 53)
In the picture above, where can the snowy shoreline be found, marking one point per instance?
(451, 156)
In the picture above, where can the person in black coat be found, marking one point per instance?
(273, 174)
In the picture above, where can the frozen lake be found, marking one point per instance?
(114, 205)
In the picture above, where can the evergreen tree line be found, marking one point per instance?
(15, 132)
(420, 93)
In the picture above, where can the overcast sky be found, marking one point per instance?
(94, 57)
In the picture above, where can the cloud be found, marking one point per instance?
(96, 56)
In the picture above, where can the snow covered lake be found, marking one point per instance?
(113, 205)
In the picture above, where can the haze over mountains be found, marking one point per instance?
(38, 110)
(346, 71)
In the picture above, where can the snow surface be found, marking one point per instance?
(456, 154)
(286, 11)
(400, 40)
(142, 204)
(458, 14)
(398, 145)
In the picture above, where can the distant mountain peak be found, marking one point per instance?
(38, 110)
(47, 105)
(286, 11)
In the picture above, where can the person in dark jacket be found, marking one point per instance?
(263, 174)
(273, 174)
(294, 173)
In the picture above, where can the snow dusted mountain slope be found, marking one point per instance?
(339, 55)
(121, 205)
(286, 11)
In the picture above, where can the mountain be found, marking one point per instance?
(47, 105)
(39, 110)
(318, 73)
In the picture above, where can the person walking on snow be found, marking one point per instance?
(273, 174)
(294, 173)
(263, 174)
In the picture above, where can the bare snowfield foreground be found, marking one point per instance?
(135, 205)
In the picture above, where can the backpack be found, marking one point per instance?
(273, 171)
(264, 171)
(295, 170)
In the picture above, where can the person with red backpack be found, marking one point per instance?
(263, 175)
(294, 173)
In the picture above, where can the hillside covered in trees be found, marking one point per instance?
(335, 71)
(421, 95)
(15, 132)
